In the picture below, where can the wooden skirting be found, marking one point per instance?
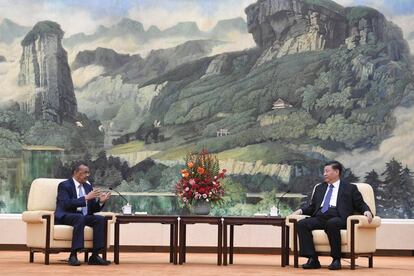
(210, 249)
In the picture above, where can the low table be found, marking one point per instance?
(172, 220)
(184, 220)
(232, 221)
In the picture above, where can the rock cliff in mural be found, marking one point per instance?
(338, 72)
(284, 27)
(45, 71)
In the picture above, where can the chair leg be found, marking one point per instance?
(47, 245)
(371, 261)
(295, 245)
(86, 256)
(353, 263)
(47, 257)
(31, 256)
(287, 246)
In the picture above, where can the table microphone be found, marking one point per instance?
(112, 189)
(280, 198)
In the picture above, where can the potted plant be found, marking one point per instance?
(200, 184)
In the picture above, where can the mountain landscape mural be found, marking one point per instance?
(275, 88)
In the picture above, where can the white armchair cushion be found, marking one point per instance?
(320, 237)
(64, 232)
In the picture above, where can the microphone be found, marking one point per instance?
(280, 198)
(112, 189)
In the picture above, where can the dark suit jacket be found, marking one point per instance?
(349, 200)
(67, 200)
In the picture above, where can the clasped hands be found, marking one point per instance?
(97, 193)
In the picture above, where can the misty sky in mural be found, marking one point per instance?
(84, 16)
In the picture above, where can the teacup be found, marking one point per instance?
(127, 209)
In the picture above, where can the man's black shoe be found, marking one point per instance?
(96, 260)
(335, 265)
(73, 261)
(312, 263)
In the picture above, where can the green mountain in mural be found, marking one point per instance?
(325, 79)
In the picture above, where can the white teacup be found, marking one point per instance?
(274, 211)
(127, 209)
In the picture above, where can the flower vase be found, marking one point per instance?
(202, 207)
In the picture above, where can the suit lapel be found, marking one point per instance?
(342, 187)
(87, 187)
(73, 187)
(322, 195)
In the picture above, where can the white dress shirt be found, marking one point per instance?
(334, 196)
(77, 184)
(77, 193)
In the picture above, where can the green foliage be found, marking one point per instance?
(169, 178)
(393, 193)
(9, 143)
(68, 136)
(271, 199)
(286, 126)
(337, 128)
(372, 178)
(16, 121)
(338, 100)
(234, 191)
(267, 153)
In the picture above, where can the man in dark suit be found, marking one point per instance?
(76, 204)
(331, 204)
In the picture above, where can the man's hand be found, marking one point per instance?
(297, 212)
(93, 194)
(368, 215)
(104, 197)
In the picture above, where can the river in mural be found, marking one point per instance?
(274, 88)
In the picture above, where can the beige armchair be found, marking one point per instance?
(42, 233)
(359, 238)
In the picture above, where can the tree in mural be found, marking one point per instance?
(388, 188)
(349, 176)
(395, 191)
(372, 178)
(407, 191)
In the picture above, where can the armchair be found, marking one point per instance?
(42, 235)
(357, 240)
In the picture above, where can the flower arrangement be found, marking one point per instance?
(201, 179)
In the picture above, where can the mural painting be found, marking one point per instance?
(275, 88)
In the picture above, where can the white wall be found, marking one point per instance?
(393, 234)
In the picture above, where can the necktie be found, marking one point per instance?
(81, 194)
(327, 200)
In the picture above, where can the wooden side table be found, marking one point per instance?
(172, 220)
(232, 221)
(184, 220)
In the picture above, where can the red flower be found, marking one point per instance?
(204, 187)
